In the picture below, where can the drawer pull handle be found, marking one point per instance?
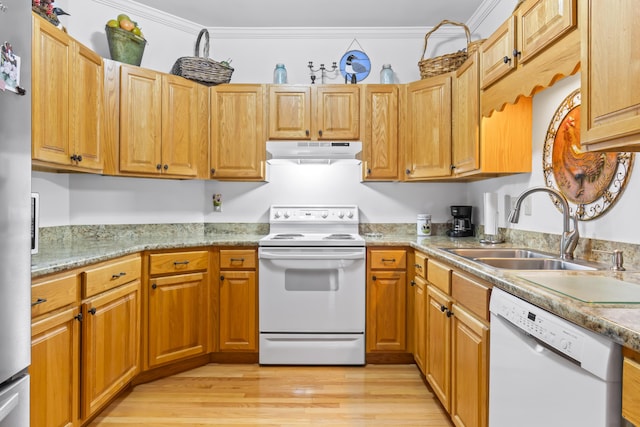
(38, 302)
(176, 263)
(117, 276)
(388, 260)
(236, 259)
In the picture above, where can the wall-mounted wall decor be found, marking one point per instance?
(592, 182)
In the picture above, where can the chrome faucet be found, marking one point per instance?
(569, 239)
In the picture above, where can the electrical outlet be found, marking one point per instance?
(217, 202)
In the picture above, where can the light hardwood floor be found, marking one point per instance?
(252, 395)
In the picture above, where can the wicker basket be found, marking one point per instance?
(202, 69)
(446, 63)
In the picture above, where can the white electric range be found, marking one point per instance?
(312, 286)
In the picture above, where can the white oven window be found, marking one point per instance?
(320, 280)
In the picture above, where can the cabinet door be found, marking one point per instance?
(54, 370)
(110, 345)
(380, 135)
(469, 369)
(542, 22)
(289, 112)
(180, 142)
(428, 152)
(140, 120)
(466, 117)
(337, 112)
(238, 311)
(419, 320)
(177, 318)
(438, 364)
(386, 311)
(496, 53)
(87, 115)
(237, 135)
(610, 58)
(52, 55)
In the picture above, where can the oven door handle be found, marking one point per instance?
(318, 255)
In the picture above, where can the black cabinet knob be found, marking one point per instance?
(213, 171)
(320, 132)
(166, 166)
(158, 166)
(516, 53)
(506, 59)
(442, 308)
(92, 310)
(449, 313)
(413, 283)
(79, 317)
(306, 132)
(154, 286)
(79, 158)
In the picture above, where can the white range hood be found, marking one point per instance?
(313, 151)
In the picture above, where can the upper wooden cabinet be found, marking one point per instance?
(325, 112)
(538, 44)
(465, 154)
(237, 132)
(380, 132)
(67, 107)
(428, 130)
(610, 86)
(159, 124)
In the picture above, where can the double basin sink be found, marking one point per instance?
(521, 259)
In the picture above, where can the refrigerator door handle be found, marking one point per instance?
(8, 406)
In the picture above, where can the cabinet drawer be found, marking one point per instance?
(472, 294)
(421, 264)
(178, 262)
(53, 293)
(439, 275)
(388, 259)
(631, 390)
(110, 275)
(237, 258)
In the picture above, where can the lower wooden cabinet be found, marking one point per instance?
(631, 386)
(386, 321)
(238, 302)
(457, 349)
(420, 323)
(176, 305)
(110, 345)
(54, 370)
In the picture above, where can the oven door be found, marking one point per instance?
(312, 289)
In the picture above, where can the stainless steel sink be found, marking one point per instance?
(521, 259)
(535, 264)
(474, 253)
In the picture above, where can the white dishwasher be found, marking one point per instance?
(546, 371)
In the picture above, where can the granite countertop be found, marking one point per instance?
(619, 322)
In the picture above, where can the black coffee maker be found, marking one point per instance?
(461, 225)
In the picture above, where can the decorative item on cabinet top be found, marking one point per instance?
(450, 62)
(592, 181)
(203, 69)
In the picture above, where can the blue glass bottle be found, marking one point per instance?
(280, 74)
(386, 74)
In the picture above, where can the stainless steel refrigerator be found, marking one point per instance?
(15, 214)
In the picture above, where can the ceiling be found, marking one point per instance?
(305, 13)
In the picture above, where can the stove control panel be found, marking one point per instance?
(314, 214)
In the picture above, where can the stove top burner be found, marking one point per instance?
(287, 236)
(339, 236)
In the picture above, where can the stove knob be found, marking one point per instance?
(287, 214)
(340, 214)
(325, 214)
(350, 214)
(277, 214)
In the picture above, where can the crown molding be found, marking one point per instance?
(163, 18)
